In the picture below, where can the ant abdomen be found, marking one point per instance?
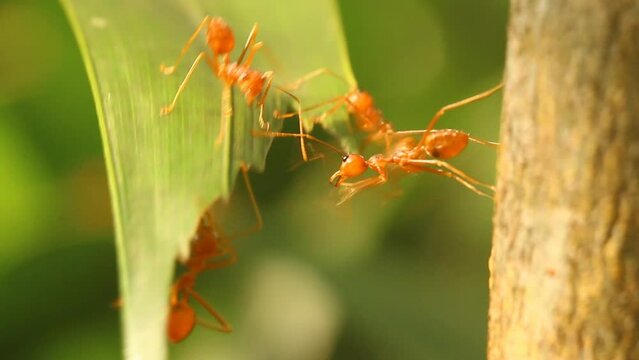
(181, 321)
(220, 36)
(445, 144)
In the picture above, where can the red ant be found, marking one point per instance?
(210, 243)
(359, 104)
(409, 156)
(254, 84)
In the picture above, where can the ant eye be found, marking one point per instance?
(344, 158)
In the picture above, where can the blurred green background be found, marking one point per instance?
(398, 273)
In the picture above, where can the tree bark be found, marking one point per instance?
(564, 280)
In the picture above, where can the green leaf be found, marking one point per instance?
(165, 170)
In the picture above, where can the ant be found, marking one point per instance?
(253, 83)
(427, 155)
(210, 249)
(359, 104)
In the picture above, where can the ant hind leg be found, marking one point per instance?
(456, 105)
(259, 221)
(451, 172)
(313, 74)
(167, 70)
(222, 326)
(168, 109)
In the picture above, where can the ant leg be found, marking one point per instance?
(167, 109)
(251, 55)
(456, 105)
(213, 63)
(305, 78)
(339, 99)
(329, 112)
(222, 326)
(170, 69)
(269, 80)
(408, 132)
(351, 189)
(227, 261)
(305, 136)
(227, 112)
(456, 171)
(450, 175)
(249, 42)
(300, 122)
(450, 168)
(259, 222)
(313, 74)
(319, 156)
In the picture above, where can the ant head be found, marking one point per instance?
(220, 36)
(353, 165)
(359, 101)
(181, 321)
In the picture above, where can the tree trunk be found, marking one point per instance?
(564, 280)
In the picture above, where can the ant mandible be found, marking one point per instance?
(253, 83)
(409, 156)
(210, 249)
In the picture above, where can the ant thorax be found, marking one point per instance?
(368, 117)
(230, 72)
(370, 120)
(249, 81)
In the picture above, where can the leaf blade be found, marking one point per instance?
(164, 171)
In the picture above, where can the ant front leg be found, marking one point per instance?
(167, 70)
(349, 190)
(337, 101)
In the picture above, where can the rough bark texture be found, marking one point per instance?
(565, 260)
